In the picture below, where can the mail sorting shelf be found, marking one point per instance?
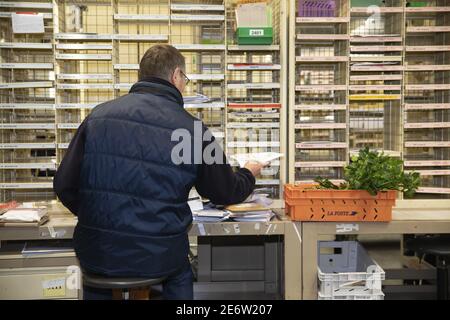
(320, 85)
(376, 48)
(254, 99)
(27, 147)
(137, 25)
(427, 97)
(198, 30)
(83, 44)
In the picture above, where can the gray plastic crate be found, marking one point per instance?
(347, 272)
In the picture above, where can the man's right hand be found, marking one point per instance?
(255, 167)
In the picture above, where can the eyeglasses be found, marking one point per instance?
(185, 77)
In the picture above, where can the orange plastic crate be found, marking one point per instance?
(303, 204)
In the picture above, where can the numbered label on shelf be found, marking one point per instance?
(27, 145)
(427, 125)
(202, 47)
(320, 125)
(80, 46)
(26, 65)
(141, 37)
(428, 87)
(427, 9)
(33, 5)
(76, 105)
(31, 185)
(326, 20)
(427, 48)
(82, 36)
(318, 145)
(25, 45)
(426, 106)
(253, 86)
(236, 125)
(321, 59)
(428, 29)
(31, 84)
(427, 163)
(213, 105)
(27, 126)
(432, 172)
(254, 105)
(320, 164)
(433, 190)
(442, 67)
(253, 144)
(427, 144)
(197, 7)
(375, 48)
(191, 17)
(250, 66)
(320, 107)
(68, 125)
(38, 165)
(329, 37)
(80, 56)
(25, 106)
(141, 17)
(77, 76)
(253, 47)
(82, 86)
(320, 87)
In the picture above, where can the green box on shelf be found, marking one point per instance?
(367, 3)
(255, 36)
(416, 4)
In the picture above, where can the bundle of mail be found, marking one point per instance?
(253, 209)
(12, 214)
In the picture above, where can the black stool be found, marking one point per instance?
(438, 246)
(124, 284)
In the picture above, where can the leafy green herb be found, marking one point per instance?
(374, 172)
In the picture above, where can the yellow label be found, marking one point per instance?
(54, 286)
(375, 97)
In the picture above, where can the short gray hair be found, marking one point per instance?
(161, 61)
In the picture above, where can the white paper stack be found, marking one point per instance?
(262, 157)
(253, 216)
(254, 209)
(23, 215)
(210, 215)
(199, 98)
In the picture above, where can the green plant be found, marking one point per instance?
(374, 172)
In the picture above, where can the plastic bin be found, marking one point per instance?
(316, 8)
(302, 203)
(347, 272)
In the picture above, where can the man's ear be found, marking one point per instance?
(174, 75)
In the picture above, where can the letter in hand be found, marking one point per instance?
(255, 167)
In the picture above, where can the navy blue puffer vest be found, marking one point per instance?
(133, 216)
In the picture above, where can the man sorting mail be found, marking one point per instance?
(127, 175)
